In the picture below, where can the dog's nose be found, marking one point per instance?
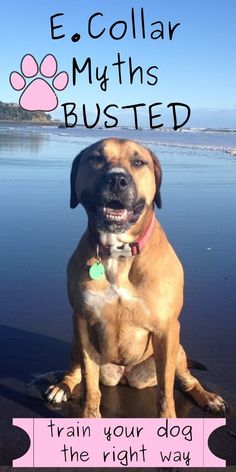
(117, 181)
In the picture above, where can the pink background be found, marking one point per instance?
(44, 450)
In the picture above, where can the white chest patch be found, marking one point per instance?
(111, 267)
(98, 299)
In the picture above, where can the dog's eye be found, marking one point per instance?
(138, 163)
(97, 161)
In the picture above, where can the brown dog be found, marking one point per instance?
(125, 283)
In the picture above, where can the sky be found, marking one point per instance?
(197, 67)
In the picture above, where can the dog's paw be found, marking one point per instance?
(91, 412)
(58, 393)
(216, 405)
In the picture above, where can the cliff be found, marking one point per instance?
(13, 112)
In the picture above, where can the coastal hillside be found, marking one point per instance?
(13, 112)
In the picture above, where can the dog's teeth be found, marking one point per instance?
(114, 217)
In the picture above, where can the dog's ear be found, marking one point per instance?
(74, 171)
(158, 178)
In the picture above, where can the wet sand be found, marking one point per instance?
(38, 234)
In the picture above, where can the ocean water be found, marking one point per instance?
(222, 139)
(39, 231)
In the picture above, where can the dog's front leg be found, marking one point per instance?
(91, 365)
(165, 346)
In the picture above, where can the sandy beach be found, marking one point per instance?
(39, 233)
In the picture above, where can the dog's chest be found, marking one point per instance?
(118, 317)
(117, 294)
(114, 300)
(119, 314)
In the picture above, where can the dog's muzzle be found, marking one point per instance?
(117, 202)
(113, 205)
(117, 193)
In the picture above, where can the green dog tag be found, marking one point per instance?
(97, 270)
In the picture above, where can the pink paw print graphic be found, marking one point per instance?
(38, 95)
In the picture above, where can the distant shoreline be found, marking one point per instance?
(60, 124)
(30, 122)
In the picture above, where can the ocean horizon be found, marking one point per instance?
(205, 139)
